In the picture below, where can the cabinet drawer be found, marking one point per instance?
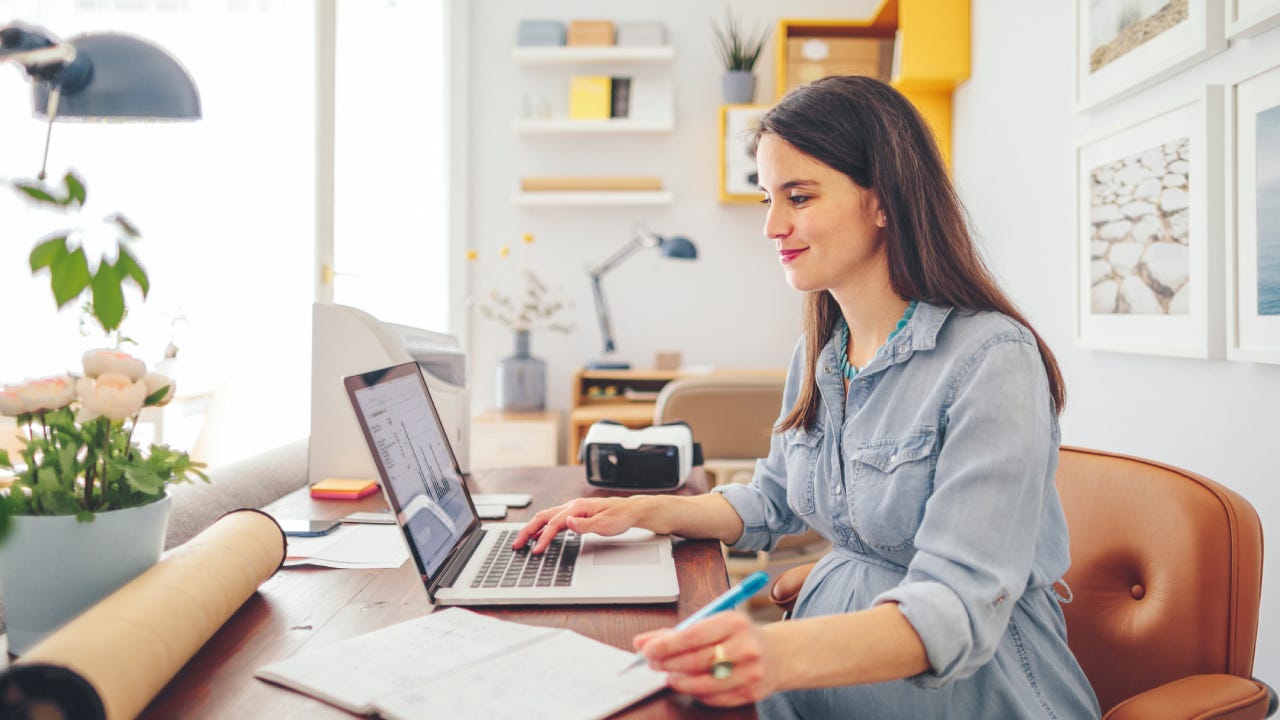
(513, 444)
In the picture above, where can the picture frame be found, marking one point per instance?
(737, 168)
(1123, 46)
(1247, 18)
(1253, 218)
(1149, 208)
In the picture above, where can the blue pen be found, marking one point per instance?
(731, 598)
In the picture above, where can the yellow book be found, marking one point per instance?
(589, 97)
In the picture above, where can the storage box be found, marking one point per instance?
(589, 97)
(540, 33)
(811, 58)
(642, 33)
(590, 32)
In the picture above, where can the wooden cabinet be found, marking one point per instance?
(511, 439)
(930, 53)
(625, 396)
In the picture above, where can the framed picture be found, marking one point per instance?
(1125, 45)
(738, 181)
(1253, 239)
(1246, 18)
(1148, 270)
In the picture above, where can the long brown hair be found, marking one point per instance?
(871, 133)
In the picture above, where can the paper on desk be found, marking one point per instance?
(350, 546)
(457, 663)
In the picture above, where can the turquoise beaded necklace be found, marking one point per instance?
(849, 370)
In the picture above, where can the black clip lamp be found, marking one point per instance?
(679, 248)
(99, 76)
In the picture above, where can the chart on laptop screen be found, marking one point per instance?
(419, 467)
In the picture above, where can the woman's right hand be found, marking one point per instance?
(603, 516)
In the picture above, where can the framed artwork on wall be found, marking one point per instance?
(1246, 18)
(1253, 239)
(1125, 45)
(738, 182)
(1148, 269)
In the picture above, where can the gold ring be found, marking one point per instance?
(721, 668)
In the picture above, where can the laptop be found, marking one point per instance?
(463, 562)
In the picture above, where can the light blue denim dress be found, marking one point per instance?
(934, 482)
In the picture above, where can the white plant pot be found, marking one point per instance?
(52, 567)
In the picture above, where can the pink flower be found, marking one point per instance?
(154, 381)
(10, 401)
(49, 393)
(110, 395)
(100, 362)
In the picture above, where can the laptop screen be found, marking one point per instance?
(420, 474)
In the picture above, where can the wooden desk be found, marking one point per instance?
(301, 609)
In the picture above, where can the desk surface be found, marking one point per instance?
(302, 608)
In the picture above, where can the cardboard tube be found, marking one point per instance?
(128, 646)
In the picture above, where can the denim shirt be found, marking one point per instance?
(933, 479)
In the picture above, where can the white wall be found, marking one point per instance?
(1015, 131)
(731, 308)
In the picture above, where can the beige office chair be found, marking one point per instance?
(732, 417)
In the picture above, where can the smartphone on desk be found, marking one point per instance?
(308, 528)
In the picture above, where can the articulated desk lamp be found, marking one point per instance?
(99, 76)
(679, 248)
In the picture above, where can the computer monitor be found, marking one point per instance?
(346, 341)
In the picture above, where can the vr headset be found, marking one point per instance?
(653, 459)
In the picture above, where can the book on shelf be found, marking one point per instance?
(589, 97)
(458, 663)
(569, 183)
(620, 93)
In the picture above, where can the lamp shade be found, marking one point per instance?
(131, 79)
(680, 248)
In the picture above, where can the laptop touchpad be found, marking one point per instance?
(624, 553)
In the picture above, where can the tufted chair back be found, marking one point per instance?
(1166, 581)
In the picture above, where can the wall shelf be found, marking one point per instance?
(527, 56)
(602, 198)
(553, 126)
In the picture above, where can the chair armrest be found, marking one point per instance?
(1198, 696)
(786, 588)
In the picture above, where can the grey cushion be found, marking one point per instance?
(252, 483)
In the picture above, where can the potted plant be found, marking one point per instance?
(739, 49)
(86, 508)
(520, 380)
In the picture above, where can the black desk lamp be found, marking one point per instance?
(642, 237)
(99, 76)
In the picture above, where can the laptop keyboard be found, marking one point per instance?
(504, 567)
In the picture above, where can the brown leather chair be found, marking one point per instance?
(1166, 579)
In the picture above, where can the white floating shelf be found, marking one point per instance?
(601, 54)
(565, 125)
(602, 197)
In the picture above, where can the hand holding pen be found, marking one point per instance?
(727, 600)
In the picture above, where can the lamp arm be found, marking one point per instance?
(62, 54)
(602, 311)
(616, 259)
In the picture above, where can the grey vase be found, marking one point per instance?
(739, 87)
(521, 379)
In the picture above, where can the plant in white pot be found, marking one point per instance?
(86, 508)
(739, 50)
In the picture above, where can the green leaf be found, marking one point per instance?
(4, 460)
(47, 251)
(84, 516)
(144, 480)
(128, 265)
(69, 276)
(156, 396)
(108, 298)
(37, 192)
(75, 188)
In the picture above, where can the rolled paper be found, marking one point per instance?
(124, 649)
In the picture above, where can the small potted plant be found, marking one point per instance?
(83, 497)
(739, 50)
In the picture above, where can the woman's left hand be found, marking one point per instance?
(688, 657)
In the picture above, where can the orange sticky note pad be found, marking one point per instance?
(341, 489)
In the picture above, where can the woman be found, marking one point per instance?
(919, 435)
